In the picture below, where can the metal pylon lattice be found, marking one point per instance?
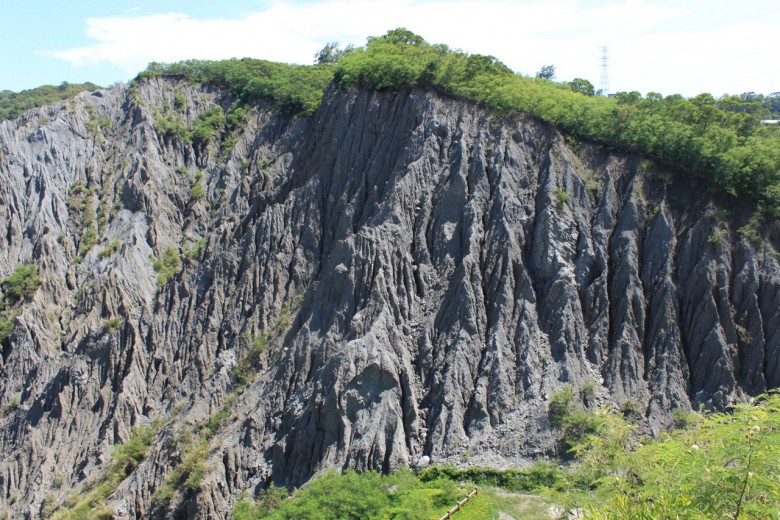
(604, 83)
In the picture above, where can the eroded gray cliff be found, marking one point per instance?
(427, 276)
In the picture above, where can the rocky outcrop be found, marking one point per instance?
(426, 273)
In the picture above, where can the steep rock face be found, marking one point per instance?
(427, 276)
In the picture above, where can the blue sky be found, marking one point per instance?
(665, 46)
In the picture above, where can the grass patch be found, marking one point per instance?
(110, 249)
(111, 325)
(561, 198)
(369, 495)
(186, 475)
(167, 266)
(90, 503)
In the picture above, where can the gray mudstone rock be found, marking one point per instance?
(423, 286)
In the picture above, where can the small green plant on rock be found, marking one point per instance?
(197, 192)
(129, 455)
(110, 249)
(245, 370)
(207, 123)
(716, 236)
(465, 456)
(88, 240)
(561, 405)
(167, 266)
(631, 408)
(17, 288)
(750, 230)
(179, 101)
(197, 249)
(217, 420)
(90, 503)
(561, 198)
(186, 475)
(589, 388)
(10, 405)
(111, 325)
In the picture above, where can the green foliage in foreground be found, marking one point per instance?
(13, 104)
(352, 495)
(719, 138)
(542, 476)
(724, 465)
(401, 495)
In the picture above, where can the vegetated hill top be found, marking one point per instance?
(722, 139)
(13, 104)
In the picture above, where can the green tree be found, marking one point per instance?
(583, 86)
(22, 284)
(726, 465)
(772, 104)
(720, 139)
(331, 53)
(546, 72)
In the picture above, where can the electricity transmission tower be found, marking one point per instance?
(604, 83)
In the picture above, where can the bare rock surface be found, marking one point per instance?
(426, 274)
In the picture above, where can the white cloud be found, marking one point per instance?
(525, 35)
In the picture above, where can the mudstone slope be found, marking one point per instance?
(426, 275)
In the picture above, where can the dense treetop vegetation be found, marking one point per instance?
(293, 89)
(718, 465)
(719, 138)
(722, 139)
(13, 104)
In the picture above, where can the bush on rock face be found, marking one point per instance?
(22, 284)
